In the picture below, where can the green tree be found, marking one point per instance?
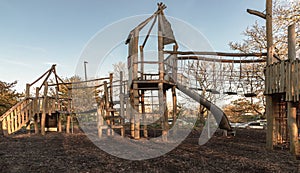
(8, 96)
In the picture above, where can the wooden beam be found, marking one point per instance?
(68, 83)
(216, 53)
(257, 13)
(220, 60)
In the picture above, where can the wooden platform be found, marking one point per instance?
(153, 84)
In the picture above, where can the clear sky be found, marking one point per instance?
(35, 34)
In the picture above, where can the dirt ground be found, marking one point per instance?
(59, 152)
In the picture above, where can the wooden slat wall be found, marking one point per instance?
(284, 77)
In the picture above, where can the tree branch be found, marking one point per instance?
(257, 13)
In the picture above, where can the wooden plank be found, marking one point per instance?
(12, 122)
(282, 77)
(296, 87)
(267, 82)
(8, 123)
(287, 78)
(19, 116)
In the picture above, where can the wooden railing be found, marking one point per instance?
(284, 78)
(17, 116)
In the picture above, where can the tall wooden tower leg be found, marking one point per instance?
(292, 111)
(293, 129)
(143, 114)
(165, 124)
(136, 112)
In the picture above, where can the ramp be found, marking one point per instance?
(218, 113)
(17, 116)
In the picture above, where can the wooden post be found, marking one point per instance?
(45, 108)
(36, 110)
(69, 112)
(165, 124)
(174, 97)
(107, 107)
(100, 119)
(111, 102)
(122, 111)
(161, 93)
(270, 101)
(59, 129)
(27, 92)
(135, 117)
(292, 111)
(142, 62)
(143, 114)
(27, 95)
(174, 104)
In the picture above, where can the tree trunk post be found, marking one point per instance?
(292, 110)
(270, 100)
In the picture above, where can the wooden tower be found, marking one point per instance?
(139, 82)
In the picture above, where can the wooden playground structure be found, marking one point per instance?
(118, 100)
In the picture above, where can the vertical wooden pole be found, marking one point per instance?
(27, 92)
(100, 118)
(161, 92)
(292, 111)
(107, 107)
(27, 95)
(165, 124)
(143, 113)
(174, 104)
(270, 102)
(59, 129)
(142, 62)
(111, 105)
(45, 108)
(122, 111)
(69, 112)
(36, 110)
(135, 89)
(174, 97)
(8, 123)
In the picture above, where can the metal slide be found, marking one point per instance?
(219, 115)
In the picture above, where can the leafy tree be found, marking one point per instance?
(8, 96)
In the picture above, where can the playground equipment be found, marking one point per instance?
(140, 99)
(144, 96)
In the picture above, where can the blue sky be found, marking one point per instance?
(35, 34)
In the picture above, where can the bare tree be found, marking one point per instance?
(284, 14)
